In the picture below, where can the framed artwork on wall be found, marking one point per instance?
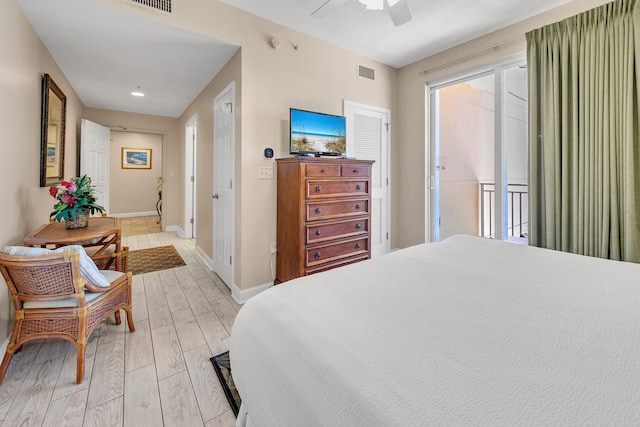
(136, 158)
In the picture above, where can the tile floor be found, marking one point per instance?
(158, 376)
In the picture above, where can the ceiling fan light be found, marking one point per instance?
(373, 4)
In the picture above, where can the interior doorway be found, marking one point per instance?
(223, 177)
(190, 149)
(478, 155)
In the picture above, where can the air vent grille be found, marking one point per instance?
(164, 6)
(367, 73)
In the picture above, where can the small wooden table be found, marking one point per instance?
(100, 233)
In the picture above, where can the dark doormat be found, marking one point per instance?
(222, 366)
(154, 259)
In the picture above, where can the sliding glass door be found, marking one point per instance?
(478, 153)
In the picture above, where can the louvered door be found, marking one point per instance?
(367, 139)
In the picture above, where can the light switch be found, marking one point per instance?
(265, 172)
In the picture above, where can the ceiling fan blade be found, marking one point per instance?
(399, 12)
(327, 8)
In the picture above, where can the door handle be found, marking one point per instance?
(215, 196)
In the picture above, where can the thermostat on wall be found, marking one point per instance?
(268, 153)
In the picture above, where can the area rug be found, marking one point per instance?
(154, 259)
(222, 366)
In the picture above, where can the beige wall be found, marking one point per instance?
(25, 206)
(168, 128)
(409, 214)
(134, 190)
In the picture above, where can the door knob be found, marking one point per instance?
(215, 196)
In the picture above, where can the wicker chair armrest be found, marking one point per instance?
(107, 261)
(93, 288)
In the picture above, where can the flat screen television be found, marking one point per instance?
(317, 133)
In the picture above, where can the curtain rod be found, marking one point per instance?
(468, 55)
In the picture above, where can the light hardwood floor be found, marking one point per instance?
(159, 375)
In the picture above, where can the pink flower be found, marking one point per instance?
(70, 186)
(66, 198)
(53, 190)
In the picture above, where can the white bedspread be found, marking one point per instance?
(468, 331)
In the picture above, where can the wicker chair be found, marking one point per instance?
(49, 297)
(107, 259)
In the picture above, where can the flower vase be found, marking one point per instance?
(80, 221)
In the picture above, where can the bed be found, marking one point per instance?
(468, 331)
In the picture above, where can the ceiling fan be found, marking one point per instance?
(398, 9)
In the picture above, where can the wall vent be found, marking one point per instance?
(164, 6)
(367, 73)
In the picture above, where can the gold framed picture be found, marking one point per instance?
(136, 158)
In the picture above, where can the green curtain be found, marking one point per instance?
(584, 137)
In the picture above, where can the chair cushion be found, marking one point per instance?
(67, 302)
(88, 269)
(111, 275)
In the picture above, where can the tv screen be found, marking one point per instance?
(317, 133)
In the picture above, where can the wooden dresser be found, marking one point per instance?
(323, 214)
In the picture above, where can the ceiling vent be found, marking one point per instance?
(367, 73)
(164, 6)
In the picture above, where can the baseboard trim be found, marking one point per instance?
(178, 230)
(204, 257)
(240, 296)
(170, 228)
(125, 215)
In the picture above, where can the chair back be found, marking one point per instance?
(43, 278)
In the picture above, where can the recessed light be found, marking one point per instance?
(137, 92)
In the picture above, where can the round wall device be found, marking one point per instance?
(268, 153)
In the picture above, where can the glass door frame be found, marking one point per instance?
(496, 69)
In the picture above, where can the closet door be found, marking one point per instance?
(368, 139)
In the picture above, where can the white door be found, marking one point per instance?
(223, 158)
(190, 139)
(94, 158)
(368, 139)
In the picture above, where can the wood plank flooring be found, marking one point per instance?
(159, 375)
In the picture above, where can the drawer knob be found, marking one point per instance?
(318, 189)
(317, 232)
(357, 186)
(318, 255)
(358, 226)
(355, 171)
(358, 206)
(318, 211)
(357, 245)
(324, 171)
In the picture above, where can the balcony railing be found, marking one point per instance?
(518, 210)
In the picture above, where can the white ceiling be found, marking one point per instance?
(106, 53)
(436, 25)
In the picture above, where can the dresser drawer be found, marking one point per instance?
(333, 252)
(322, 170)
(331, 265)
(355, 170)
(336, 230)
(330, 210)
(320, 189)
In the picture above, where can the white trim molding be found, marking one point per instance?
(240, 296)
(126, 215)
